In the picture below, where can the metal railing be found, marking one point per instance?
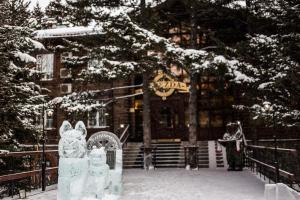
(23, 171)
(277, 164)
(124, 136)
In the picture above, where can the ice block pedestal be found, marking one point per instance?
(72, 173)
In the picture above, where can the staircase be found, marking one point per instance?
(133, 156)
(203, 157)
(169, 155)
(219, 157)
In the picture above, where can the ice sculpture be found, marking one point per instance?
(73, 163)
(83, 176)
(116, 174)
(97, 180)
(112, 144)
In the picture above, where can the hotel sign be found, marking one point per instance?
(164, 86)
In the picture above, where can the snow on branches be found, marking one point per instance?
(19, 95)
(276, 77)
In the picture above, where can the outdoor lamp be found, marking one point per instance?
(49, 113)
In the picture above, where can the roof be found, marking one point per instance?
(68, 32)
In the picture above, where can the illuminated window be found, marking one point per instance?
(204, 119)
(216, 119)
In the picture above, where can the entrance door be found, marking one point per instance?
(167, 119)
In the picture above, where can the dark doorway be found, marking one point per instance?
(167, 119)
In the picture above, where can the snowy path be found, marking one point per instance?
(179, 184)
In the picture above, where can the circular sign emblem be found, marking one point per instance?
(161, 82)
(164, 86)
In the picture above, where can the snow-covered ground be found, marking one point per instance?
(180, 184)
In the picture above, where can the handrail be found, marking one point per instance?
(272, 148)
(272, 140)
(273, 163)
(282, 172)
(124, 136)
(25, 153)
(15, 176)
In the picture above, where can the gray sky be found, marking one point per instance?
(43, 3)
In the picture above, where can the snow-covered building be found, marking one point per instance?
(170, 93)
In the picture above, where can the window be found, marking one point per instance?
(66, 88)
(45, 64)
(48, 120)
(65, 73)
(97, 118)
(92, 119)
(204, 119)
(216, 119)
(65, 55)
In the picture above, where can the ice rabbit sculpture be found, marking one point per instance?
(73, 162)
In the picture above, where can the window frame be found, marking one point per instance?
(98, 118)
(39, 120)
(46, 75)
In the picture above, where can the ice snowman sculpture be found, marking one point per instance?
(73, 162)
(98, 174)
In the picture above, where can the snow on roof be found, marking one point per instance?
(67, 32)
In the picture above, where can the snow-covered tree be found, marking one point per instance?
(56, 10)
(20, 96)
(14, 12)
(37, 16)
(272, 50)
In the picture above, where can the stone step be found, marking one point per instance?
(169, 158)
(170, 166)
(203, 162)
(132, 151)
(133, 161)
(169, 161)
(164, 154)
(132, 166)
(131, 155)
(203, 166)
(203, 159)
(166, 143)
(170, 148)
(168, 154)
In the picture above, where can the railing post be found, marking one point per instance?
(154, 157)
(185, 158)
(276, 163)
(43, 153)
